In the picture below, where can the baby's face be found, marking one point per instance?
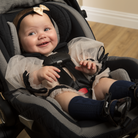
(37, 34)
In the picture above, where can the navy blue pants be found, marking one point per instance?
(85, 108)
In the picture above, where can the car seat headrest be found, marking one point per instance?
(7, 5)
(62, 19)
(15, 39)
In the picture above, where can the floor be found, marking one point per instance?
(118, 41)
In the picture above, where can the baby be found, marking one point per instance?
(37, 34)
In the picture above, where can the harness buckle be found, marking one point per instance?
(59, 61)
(83, 90)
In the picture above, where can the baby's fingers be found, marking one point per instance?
(50, 77)
(54, 75)
(55, 69)
(87, 64)
(83, 62)
(90, 65)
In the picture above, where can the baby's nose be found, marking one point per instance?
(41, 36)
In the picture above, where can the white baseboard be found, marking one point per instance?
(112, 17)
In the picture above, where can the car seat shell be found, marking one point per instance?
(46, 116)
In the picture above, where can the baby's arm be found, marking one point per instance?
(49, 73)
(87, 67)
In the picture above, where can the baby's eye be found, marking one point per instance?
(46, 29)
(32, 33)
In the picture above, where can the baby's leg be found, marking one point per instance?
(64, 98)
(118, 89)
(81, 108)
(103, 87)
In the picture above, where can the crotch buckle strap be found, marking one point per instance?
(83, 90)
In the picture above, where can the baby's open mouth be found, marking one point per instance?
(42, 44)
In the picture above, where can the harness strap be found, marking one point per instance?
(62, 59)
(80, 78)
(65, 78)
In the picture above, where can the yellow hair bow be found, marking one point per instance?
(39, 10)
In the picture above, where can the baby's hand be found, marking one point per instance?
(88, 67)
(48, 73)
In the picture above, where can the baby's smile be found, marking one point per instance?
(43, 44)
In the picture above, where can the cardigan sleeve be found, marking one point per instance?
(82, 48)
(16, 67)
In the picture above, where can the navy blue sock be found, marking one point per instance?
(121, 89)
(81, 108)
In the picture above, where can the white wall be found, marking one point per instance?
(129, 6)
(117, 12)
